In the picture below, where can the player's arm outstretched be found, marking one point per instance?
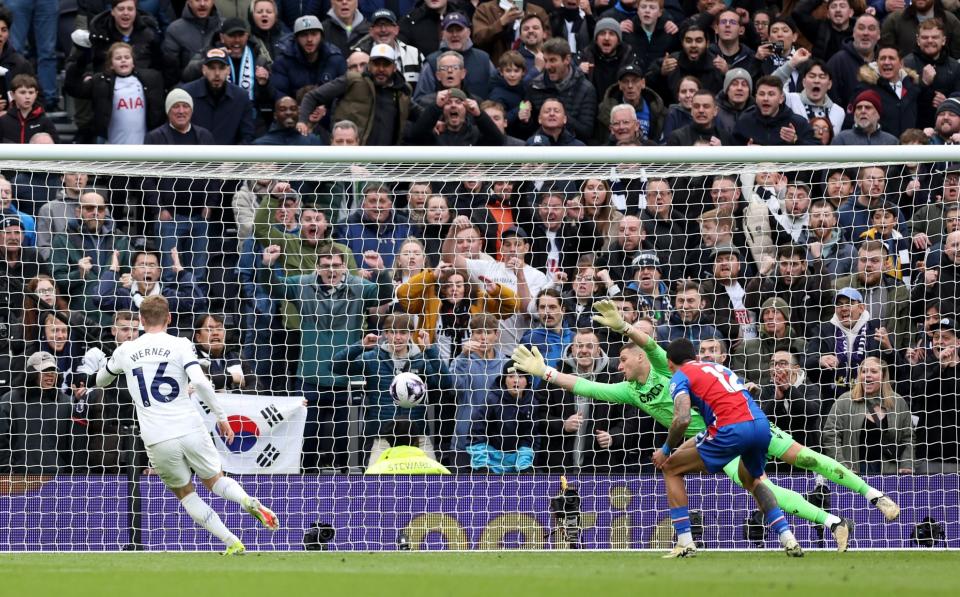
(609, 316)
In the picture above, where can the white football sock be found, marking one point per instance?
(203, 515)
(229, 489)
(684, 538)
(831, 520)
(786, 537)
(872, 494)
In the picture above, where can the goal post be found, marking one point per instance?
(825, 278)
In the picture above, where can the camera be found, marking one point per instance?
(776, 47)
(318, 536)
(755, 528)
(566, 510)
(927, 533)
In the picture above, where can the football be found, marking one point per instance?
(407, 390)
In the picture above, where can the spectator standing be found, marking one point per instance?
(384, 29)
(867, 113)
(939, 72)
(344, 25)
(901, 28)
(854, 53)
(789, 401)
(751, 359)
(25, 117)
(602, 60)
(10, 59)
(935, 386)
(54, 216)
(220, 106)
(39, 17)
(825, 35)
(770, 122)
(899, 89)
(495, 28)
(306, 59)
(630, 91)
(561, 80)
(694, 59)
(191, 34)
(688, 319)
(478, 70)
(504, 432)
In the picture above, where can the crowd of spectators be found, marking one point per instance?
(830, 293)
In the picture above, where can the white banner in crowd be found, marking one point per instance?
(269, 433)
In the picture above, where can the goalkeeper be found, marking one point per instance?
(647, 387)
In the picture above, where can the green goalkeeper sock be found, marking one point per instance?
(792, 502)
(789, 501)
(836, 472)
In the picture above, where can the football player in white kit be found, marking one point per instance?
(158, 368)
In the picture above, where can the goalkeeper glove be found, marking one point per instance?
(609, 316)
(529, 360)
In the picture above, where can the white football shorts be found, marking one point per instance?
(175, 460)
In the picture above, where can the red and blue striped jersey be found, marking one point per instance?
(717, 393)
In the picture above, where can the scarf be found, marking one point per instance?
(851, 349)
(244, 76)
(453, 324)
(815, 110)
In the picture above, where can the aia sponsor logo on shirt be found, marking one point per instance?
(130, 103)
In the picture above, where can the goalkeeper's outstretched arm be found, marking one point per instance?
(609, 316)
(529, 360)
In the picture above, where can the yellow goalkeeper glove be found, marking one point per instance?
(609, 316)
(530, 361)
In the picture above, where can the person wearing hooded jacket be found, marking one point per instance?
(38, 426)
(304, 60)
(504, 431)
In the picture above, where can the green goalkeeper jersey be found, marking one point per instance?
(652, 396)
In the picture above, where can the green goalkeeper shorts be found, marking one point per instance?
(780, 442)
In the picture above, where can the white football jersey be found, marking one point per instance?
(155, 366)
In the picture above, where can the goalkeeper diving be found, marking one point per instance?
(647, 387)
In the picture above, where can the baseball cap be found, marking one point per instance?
(234, 25)
(216, 55)
(514, 231)
(947, 324)
(454, 18)
(629, 69)
(9, 221)
(41, 361)
(383, 52)
(850, 293)
(646, 259)
(384, 14)
(725, 249)
(307, 23)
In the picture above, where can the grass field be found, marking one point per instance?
(591, 574)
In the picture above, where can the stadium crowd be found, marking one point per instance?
(830, 293)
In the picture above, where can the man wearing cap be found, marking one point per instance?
(179, 129)
(377, 101)
(867, 109)
(218, 105)
(630, 88)
(384, 29)
(249, 60)
(770, 122)
(653, 294)
(898, 89)
(838, 346)
(734, 99)
(853, 54)
(725, 292)
(939, 72)
(704, 127)
(496, 25)
(560, 79)
(35, 422)
(456, 37)
(935, 385)
(344, 25)
(306, 59)
(464, 124)
(751, 359)
(421, 26)
(603, 60)
(885, 297)
(195, 30)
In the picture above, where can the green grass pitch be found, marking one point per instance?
(525, 574)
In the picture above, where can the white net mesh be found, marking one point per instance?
(828, 288)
